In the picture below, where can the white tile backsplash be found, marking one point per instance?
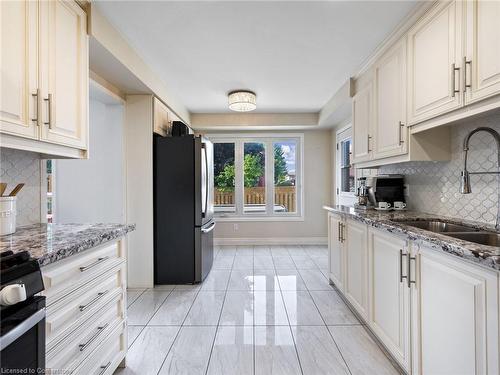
(22, 166)
(434, 186)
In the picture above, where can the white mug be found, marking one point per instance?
(384, 205)
(399, 205)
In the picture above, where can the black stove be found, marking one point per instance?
(22, 314)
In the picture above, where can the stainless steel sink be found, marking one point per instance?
(437, 226)
(482, 238)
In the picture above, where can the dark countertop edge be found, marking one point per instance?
(84, 245)
(441, 243)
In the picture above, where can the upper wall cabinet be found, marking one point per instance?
(362, 124)
(435, 62)
(482, 56)
(19, 68)
(390, 133)
(44, 89)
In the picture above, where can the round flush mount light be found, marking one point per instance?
(242, 101)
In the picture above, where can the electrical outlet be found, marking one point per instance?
(235, 227)
(407, 190)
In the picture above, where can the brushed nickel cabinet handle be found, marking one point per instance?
(410, 281)
(48, 100)
(92, 301)
(401, 255)
(36, 95)
(401, 126)
(454, 90)
(467, 62)
(93, 338)
(93, 264)
(342, 227)
(339, 234)
(368, 143)
(104, 368)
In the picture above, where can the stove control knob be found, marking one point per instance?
(12, 294)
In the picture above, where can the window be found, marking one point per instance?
(346, 174)
(258, 177)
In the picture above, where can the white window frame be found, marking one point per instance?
(342, 135)
(268, 139)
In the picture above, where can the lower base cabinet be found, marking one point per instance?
(434, 313)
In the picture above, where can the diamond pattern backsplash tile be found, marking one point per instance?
(21, 166)
(434, 186)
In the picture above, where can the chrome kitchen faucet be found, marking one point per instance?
(465, 187)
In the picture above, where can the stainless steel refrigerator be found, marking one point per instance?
(183, 209)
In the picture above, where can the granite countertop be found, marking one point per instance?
(484, 255)
(52, 242)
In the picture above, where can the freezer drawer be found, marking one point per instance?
(204, 251)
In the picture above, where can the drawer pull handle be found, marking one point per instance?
(93, 338)
(93, 301)
(93, 264)
(401, 276)
(104, 368)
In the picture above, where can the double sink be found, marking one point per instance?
(462, 232)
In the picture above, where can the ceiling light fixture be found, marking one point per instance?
(242, 101)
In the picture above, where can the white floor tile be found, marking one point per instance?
(232, 352)
(163, 287)
(242, 262)
(227, 250)
(175, 308)
(148, 351)
(301, 309)
(304, 262)
(244, 250)
(265, 280)
(190, 352)
(283, 262)
(216, 280)
(296, 250)
(263, 262)
(269, 309)
(206, 309)
(277, 251)
(361, 353)
(315, 280)
(290, 280)
(333, 310)
(224, 262)
(132, 333)
(317, 351)
(275, 351)
(241, 280)
(145, 306)
(133, 294)
(261, 250)
(238, 309)
(188, 287)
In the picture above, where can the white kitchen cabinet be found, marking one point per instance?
(162, 123)
(389, 291)
(355, 240)
(64, 73)
(19, 68)
(435, 61)
(390, 135)
(44, 88)
(362, 124)
(336, 250)
(482, 56)
(455, 316)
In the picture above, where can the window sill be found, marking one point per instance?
(257, 218)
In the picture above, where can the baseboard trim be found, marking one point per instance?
(272, 241)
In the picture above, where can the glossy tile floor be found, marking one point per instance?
(262, 310)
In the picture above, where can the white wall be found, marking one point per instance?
(93, 190)
(317, 192)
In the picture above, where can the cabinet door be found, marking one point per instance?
(456, 309)
(434, 62)
(336, 256)
(19, 68)
(483, 49)
(389, 293)
(64, 73)
(362, 119)
(162, 121)
(356, 260)
(390, 133)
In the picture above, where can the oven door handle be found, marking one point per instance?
(21, 329)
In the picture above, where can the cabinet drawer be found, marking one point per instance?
(107, 356)
(74, 348)
(79, 306)
(68, 274)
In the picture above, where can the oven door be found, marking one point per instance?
(22, 340)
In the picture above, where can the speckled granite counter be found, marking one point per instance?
(52, 242)
(486, 256)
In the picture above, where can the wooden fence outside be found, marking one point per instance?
(283, 196)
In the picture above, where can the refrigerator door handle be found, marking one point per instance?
(204, 212)
(209, 229)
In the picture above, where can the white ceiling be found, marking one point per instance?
(294, 55)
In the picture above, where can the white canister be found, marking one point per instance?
(7, 215)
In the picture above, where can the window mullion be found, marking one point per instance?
(238, 177)
(269, 177)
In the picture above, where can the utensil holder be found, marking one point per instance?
(8, 215)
